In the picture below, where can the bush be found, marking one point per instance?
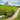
(12, 13)
(2, 10)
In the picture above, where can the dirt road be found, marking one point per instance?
(15, 15)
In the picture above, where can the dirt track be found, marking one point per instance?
(15, 15)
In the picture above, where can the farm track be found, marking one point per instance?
(15, 15)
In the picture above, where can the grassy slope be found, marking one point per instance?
(18, 18)
(8, 9)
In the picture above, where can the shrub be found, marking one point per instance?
(12, 13)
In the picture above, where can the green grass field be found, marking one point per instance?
(18, 18)
(8, 9)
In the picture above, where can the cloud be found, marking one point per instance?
(12, 2)
(9, 3)
(1, 3)
(3, 0)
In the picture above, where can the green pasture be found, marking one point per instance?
(8, 9)
(18, 18)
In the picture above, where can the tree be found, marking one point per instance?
(6, 3)
(12, 13)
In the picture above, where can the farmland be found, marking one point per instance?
(8, 9)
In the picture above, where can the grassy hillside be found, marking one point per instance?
(18, 18)
(8, 9)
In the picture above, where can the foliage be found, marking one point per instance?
(7, 9)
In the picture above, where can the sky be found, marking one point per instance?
(11, 2)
